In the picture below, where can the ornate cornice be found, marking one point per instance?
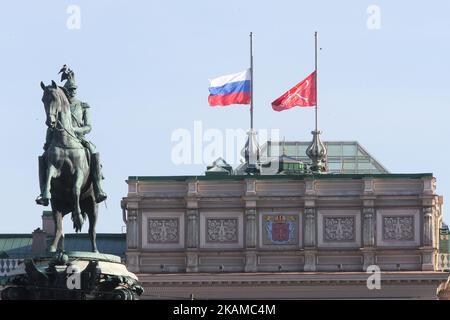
(290, 279)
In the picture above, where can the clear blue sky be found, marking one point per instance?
(144, 66)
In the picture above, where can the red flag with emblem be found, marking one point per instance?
(302, 95)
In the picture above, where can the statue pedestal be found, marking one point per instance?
(72, 276)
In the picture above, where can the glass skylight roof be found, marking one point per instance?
(347, 157)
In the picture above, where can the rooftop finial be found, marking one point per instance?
(252, 153)
(317, 153)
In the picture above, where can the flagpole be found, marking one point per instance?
(316, 151)
(252, 145)
(251, 81)
(315, 38)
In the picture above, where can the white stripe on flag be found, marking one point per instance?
(223, 80)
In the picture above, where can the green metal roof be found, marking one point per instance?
(15, 245)
(19, 245)
(284, 177)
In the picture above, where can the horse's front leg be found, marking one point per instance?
(92, 209)
(51, 173)
(76, 214)
(58, 219)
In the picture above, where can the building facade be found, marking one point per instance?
(288, 223)
(323, 230)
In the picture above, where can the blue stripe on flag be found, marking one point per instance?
(232, 87)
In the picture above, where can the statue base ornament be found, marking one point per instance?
(71, 276)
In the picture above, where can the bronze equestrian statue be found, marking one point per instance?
(69, 169)
(70, 176)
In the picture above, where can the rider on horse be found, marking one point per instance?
(82, 125)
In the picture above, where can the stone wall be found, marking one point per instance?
(282, 223)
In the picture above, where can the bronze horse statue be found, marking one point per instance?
(68, 180)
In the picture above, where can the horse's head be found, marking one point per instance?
(52, 103)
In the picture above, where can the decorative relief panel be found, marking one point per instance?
(338, 229)
(163, 230)
(280, 229)
(398, 228)
(222, 230)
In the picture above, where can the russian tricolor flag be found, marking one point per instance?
(230, 89)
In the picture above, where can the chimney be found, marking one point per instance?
(39, 244)
(48, 225)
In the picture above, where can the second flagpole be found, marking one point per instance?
(317, 151)
(315, 61)
(251, 81)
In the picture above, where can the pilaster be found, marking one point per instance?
(368, 257)
(251, 261)
(250, 226)
(310, 260)
(130, 218)
(310, 227)
(368, 218)
(427, 226)
(192, 229)
(192, 226)
(191, 261)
